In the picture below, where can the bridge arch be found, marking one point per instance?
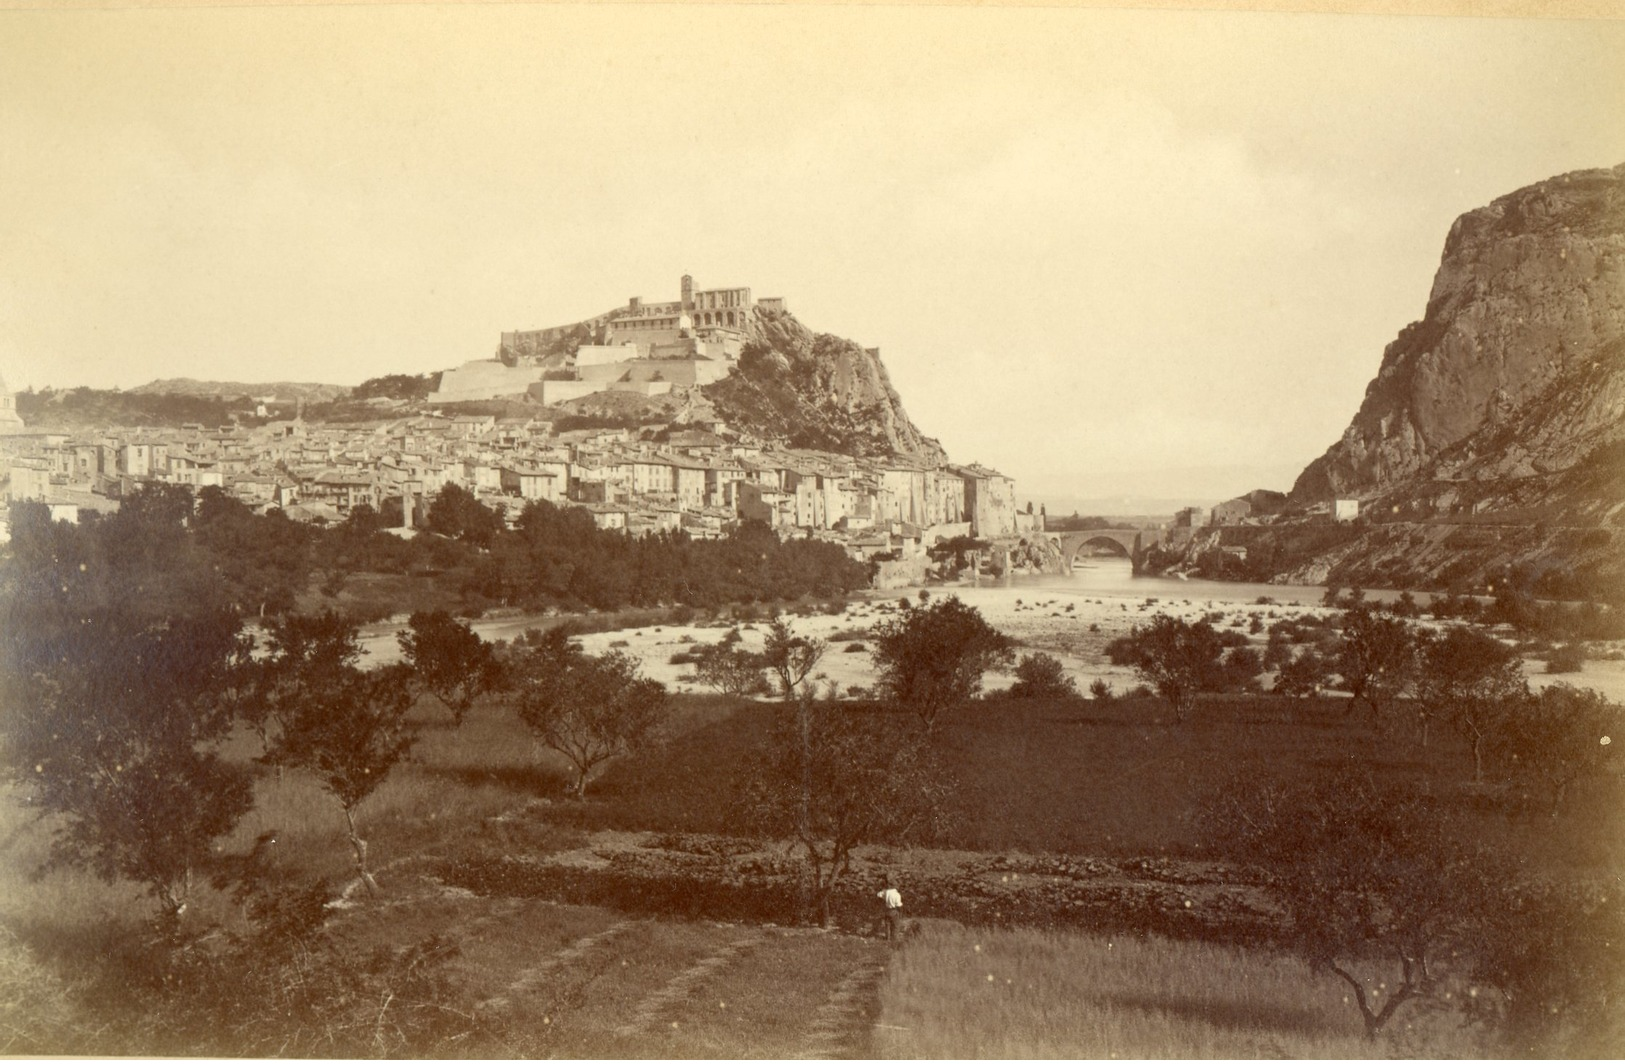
(1130, 543)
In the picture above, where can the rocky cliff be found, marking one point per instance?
(1514, 369)
(815, 390)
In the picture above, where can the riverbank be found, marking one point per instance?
(1072, 617)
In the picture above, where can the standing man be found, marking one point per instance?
(893, 901)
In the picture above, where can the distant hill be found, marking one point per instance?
(283, 390)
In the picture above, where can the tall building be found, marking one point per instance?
(10, 420)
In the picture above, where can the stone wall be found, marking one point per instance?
(483, 379)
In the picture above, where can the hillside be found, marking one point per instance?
(284, 391)
(816, 390)
(1513, 370)
(1490, 446)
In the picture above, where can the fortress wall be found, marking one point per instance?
(563, 391)
(640, 387)
(483, 379)
(674, 371)
(600, 354)
(649, 331)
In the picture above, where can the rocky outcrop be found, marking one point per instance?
(816, 390)
(1513, 370)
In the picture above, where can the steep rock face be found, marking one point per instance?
(816, 390)
(1529, 294)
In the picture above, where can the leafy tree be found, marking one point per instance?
(111, 721)
(1561, 738)
(1303, 676)
(456, 513)
(304, 654)
(345, 726)
(932, 658)
(590, 709)
(1475, 683)
(1359, 872)
(1041, 675)
(731, 670)
(832, 778)
(1177, 658)
(1556, 953)
(791, 657)
(1376, 659)
(449, 660)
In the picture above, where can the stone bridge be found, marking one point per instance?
(1130, 543)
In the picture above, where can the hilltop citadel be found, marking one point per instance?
(643, 348)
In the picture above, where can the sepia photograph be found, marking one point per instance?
(812, 530)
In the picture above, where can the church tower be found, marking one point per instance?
(688, 295)
(10, 420)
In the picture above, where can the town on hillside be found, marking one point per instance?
(691, 478)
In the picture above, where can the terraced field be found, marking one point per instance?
(578, 981)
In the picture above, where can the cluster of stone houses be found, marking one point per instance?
(690, 479)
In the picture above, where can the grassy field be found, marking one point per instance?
(578, 980)
(955, 992)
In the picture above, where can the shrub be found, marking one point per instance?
(1100, 691)
(1567, 658)
(1042, 676)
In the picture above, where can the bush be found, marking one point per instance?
(1042, 676)
(1100, 691)
(1567, 658)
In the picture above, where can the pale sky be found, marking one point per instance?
(1100, 251)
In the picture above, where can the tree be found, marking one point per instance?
(932, 658)
(791, 657)
(1042, 676)
(1304, 675)
(1475, 683)
(456, 513)
(1177, 658)
(1358, 871)
(834, 777)
(345, 726)
(731, 670)
(304, 655)
(449, 660)
(1561, 738)
(590, 709)
(1556, 953)
(1376, 659)
(112, 722)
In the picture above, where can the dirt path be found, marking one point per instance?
(531, 980)
(841, 1027)
(652, 1008)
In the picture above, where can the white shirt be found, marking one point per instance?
(894, 900)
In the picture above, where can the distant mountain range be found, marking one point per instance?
(286, 391)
